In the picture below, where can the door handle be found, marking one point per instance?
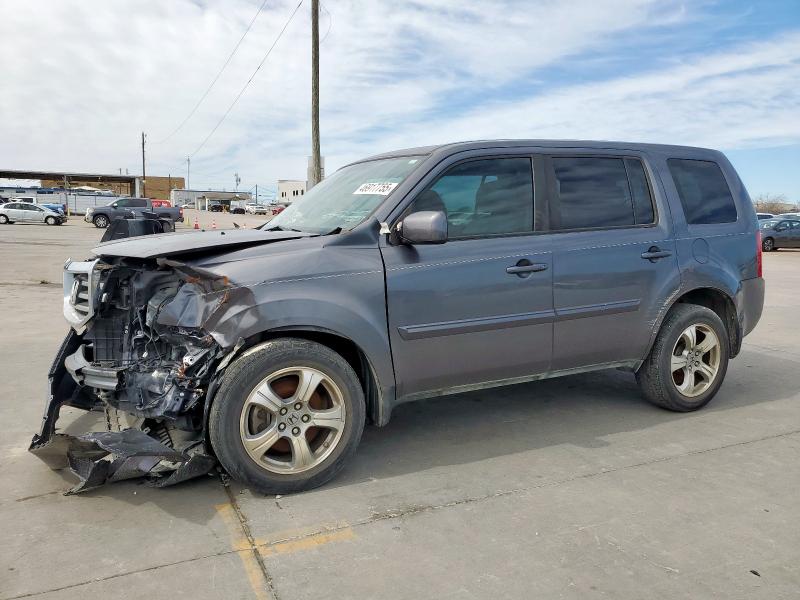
(654, 253)
(524, 267)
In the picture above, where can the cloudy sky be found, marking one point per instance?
(79, 81)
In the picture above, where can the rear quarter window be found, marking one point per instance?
(703, 191)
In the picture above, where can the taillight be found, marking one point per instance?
(759, 254)
(181, 213)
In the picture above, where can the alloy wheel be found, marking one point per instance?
(695, 360)
(292, 420)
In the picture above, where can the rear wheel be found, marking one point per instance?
(287, 417)
(689, 359)
(4, 220)
(100, 221)
(768, 244)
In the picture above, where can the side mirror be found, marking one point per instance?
(424, 227)
(115, 205)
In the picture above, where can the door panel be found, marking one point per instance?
(614, 257)
(606, 296)
(457, 318)
(479, 308)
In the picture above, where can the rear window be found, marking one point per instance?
(592, 192)
(704, 193)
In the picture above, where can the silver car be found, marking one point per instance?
(25, 212)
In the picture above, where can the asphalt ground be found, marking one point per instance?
(567, 488)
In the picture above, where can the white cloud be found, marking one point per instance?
(81, 79)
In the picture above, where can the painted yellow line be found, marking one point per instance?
(307, 543)
(242, 546)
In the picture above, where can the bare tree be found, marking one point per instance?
(773, 203)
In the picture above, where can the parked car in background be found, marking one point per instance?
(60, 208)
(791, 215)
(27, 212)
(101, 216)
(215, 207)
(237, 210)
(277, 208)
(780, 233)
(409, 275)
(256, 209)
(763, 216)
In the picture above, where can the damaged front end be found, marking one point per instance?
(139, 350)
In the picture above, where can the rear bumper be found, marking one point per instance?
(750, 304)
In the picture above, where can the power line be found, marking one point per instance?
(239, 95)
(214, 81)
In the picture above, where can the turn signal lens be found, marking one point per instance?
(759, 255)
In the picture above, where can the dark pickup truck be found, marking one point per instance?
(101, 216)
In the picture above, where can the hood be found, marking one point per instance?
(189, 242)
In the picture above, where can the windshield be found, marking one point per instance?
(346, 198)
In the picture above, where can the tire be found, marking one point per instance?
(50, 220)
(4, 220)
(661, 385)
(237, 414)
(100, 221)
(768, 244)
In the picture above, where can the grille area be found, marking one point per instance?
(79, 290)
(79, 297)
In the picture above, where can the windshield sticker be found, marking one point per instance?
(378, 189)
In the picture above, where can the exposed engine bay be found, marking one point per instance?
(140, 347)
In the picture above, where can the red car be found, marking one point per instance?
(277, 209)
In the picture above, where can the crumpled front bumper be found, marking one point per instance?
(103, 457)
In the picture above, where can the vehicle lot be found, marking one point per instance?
(571, 487)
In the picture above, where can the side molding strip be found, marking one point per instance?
(427, 330)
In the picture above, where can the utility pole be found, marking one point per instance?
(188, 167)
(144, 175)
(316, 167)
(256, 193)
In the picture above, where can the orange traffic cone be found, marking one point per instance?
(213, 223)
(196, 224)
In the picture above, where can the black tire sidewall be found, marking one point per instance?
(764, 245)
(697, 316)
(241, 378)
(100, 219)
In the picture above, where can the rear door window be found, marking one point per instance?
(599, 192)
(704, 193)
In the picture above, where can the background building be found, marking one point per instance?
(122, 185)
(290, 190)
(202, 199)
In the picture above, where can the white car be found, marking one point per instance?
(25, 212)
(255, 209)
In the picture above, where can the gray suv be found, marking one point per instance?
(403, 276)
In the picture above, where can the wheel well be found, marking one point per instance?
(721, 304)
(344, 347)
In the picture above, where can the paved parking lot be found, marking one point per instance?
(571, 487)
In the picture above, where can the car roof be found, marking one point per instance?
(452, 148)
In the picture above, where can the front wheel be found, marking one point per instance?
(50, 220)
(768, 244)
(688, 361)
(288, 415)
(100, 221)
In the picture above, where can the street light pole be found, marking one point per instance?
(188, 167)
(144, 175)
(316, 167)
